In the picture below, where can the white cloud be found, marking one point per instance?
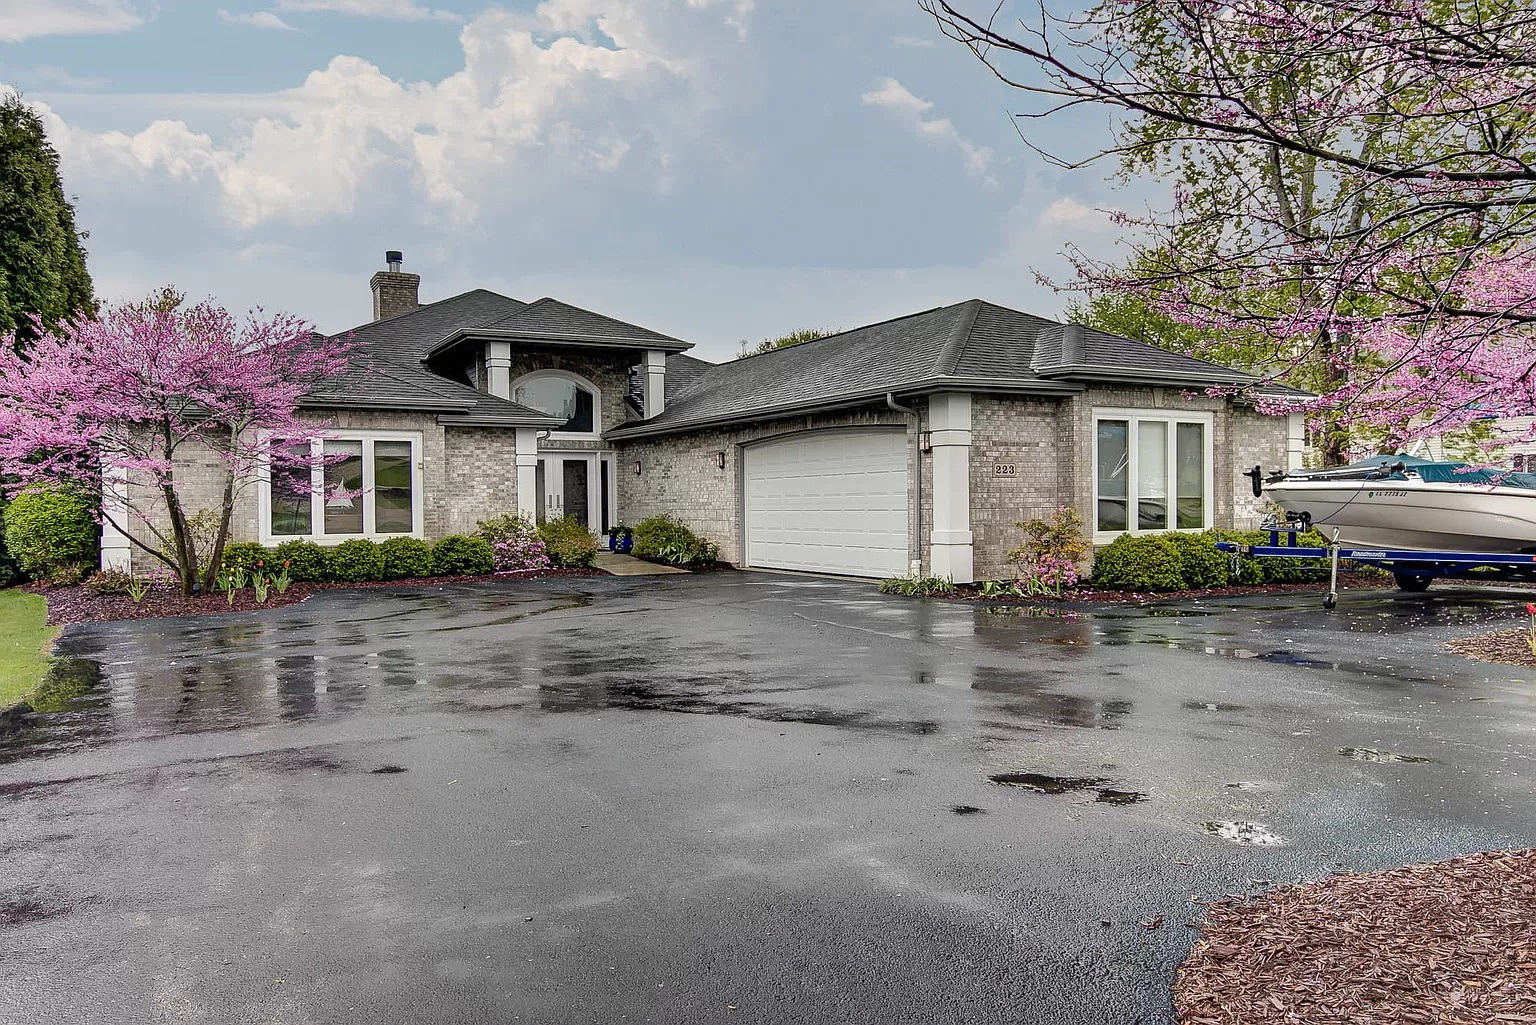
(913, 42)
(258, 19)
(28, 19)
(1067, 212)
(49, 74)
(578, 88)
(899, 100)
(398, 10)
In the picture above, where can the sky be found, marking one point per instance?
(719, 170)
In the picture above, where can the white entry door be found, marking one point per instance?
(570, 484)
(831, 502)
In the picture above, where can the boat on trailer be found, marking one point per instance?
(1402, 502)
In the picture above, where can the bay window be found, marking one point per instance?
(355, 484)
(1152, 471)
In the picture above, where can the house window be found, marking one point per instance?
(1152, 472)
(366, 484)
(560, 394)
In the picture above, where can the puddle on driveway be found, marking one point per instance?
(1370, 754)
(1041, 783)
(1246, 834)
(1109, 796)
(967, 809)
(1213, 706)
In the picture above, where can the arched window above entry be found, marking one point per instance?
(560, 393)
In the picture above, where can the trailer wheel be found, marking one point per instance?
(1413, 581)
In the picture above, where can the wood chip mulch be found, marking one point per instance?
(1450, 943)
(1511, 647)
(79, 604)
(1347, 582)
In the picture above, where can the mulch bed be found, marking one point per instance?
(1451, 943)
(1347, 582)
(78, 604)
(1511, 647)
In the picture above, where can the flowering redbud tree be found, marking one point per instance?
(121, 405)
(1351, 187)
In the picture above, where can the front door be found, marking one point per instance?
(570, 485)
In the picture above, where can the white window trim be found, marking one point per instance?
(1171, 417)
(580, 382)
(317, 488)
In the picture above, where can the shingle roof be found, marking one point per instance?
(550, 321)
(410, 336)
(975, 345)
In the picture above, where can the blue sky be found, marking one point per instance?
(722, 170)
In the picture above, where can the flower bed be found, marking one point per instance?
(78, 604)
(1090, 595)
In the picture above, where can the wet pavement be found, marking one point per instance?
(732, 797)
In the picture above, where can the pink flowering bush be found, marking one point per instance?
(515, 544)
(1053, 550)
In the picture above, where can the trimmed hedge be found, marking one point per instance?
(356, 561)
(244, 555)
(1149, 562)
(567, 542)
(1175, 561)
(405, 557)
(49, 529)
(460, 556)
(306, 561)
(666, 539)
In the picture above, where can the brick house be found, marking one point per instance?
(910, 446)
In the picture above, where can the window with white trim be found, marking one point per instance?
(561, 393)
(1152, 471)
(356, 484)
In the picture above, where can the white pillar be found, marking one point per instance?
(653, 382)
(949, 433)
(1296, 441)
(498, 369)
(527, 471)
(116, 549)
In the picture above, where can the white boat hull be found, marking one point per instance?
(1415, 515)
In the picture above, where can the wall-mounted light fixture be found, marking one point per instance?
(925, 442)
(720, 458)
(637, 467)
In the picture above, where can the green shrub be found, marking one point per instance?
(1201, 564)
(515, 543)
(1253, 571)
(356, 561)
(405, 557)
(666, 539)
(306, 561)
(47, 529)
(244, 555)
(920, 587)
(567, 542)
(10, 572)
(460, 556)
(1150, 562)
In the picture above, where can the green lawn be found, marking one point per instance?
(24, 643)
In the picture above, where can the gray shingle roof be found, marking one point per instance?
(410, 336)
(552, 322)
(974, 344)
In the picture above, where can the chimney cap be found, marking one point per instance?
(394, 258)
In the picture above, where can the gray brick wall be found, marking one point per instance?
(610, 373)
(1032, 435)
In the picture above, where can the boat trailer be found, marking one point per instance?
(1413, 570)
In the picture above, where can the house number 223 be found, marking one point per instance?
(1005, 469)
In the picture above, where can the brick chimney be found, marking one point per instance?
(394, 291)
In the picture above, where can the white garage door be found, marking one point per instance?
(832, 502)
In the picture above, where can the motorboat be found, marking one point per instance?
(1411, 504)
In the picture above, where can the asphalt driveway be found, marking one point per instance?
(734, 797)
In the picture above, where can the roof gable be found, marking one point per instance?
(410, 336)
(550, 317)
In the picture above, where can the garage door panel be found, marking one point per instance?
(834, 502)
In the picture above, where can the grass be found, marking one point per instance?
(24, 641)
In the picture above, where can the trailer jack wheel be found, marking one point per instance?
(1413, 581)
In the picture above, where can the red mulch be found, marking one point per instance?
(1347, 582)
(1511, 647)
(1451, 943)
(79, 604)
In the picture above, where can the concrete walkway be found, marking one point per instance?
(629, 566)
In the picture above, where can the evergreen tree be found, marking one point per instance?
(42, 263)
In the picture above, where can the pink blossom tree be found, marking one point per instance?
(1353, 186)
(121, 405)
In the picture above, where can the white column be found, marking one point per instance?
(116, 549)
(653, 382)
(498, 369)
(1296, 441)
(949, 432)
(527, 470)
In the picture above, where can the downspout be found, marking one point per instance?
(915, 547)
